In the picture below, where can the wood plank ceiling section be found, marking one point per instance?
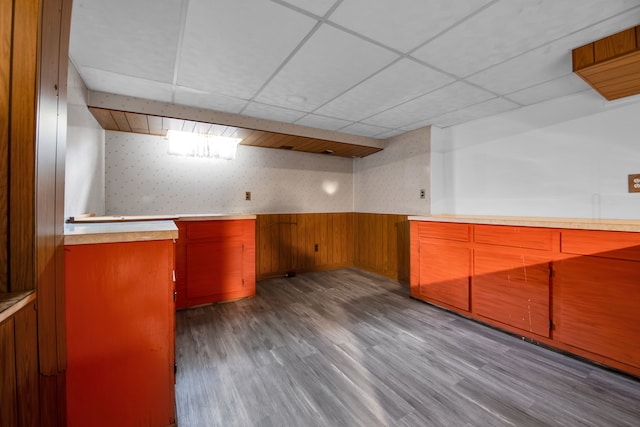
(154, 125)
(611, 65)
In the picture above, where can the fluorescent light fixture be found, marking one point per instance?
(201, 145)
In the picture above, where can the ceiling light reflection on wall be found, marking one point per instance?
(330, 187)
(201, 145)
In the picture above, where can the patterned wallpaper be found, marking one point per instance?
(390, 180)
(141, 178)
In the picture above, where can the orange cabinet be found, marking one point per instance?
(443, 263)
(120, 333)
(512, 287)
(598, 306)
(215, 261)
(576, 290)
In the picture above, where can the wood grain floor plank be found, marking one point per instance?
(350, 348)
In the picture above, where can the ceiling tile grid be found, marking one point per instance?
(355, 66)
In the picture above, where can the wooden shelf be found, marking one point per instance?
(12, 302)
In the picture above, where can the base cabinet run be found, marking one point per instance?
(215, 261)
(576, 290)
(120, 334)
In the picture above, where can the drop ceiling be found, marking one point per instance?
(370, 68)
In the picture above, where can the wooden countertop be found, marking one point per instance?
(570, 223)
(116, 232)
(173, 217)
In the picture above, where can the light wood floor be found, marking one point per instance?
(350, 348)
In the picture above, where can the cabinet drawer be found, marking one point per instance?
(445, 230)
(214, 230)
(606, 244)
(517, 237)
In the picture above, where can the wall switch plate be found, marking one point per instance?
(423, 193)
(634, 183)
(247, 195)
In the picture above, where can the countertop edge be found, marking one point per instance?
(566, 223)
(119, 232)
(176, 217)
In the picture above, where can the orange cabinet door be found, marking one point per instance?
(214, 269)
(598, 306)
(512, 288)
(445, 274)
(120, 334)
(215, 261)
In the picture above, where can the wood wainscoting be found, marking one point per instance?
(375, 242)
(303, 242)
(382, 244)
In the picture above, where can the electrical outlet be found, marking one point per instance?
(423, 193)
(315, 247)
(634, 183)
(247, 195)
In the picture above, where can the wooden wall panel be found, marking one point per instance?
(8, 397)
(287, 242)
(382, 244)
(33, 78)
(22, 157)
(27, 366)
(6, 11)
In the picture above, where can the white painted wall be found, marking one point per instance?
(84, 164)
(565, 158)
(141, 178)
(390, 180)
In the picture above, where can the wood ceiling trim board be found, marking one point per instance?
(607, 77)
(273, 141)
(138, 122)
(583, 57)
(121, 121)
(169, 123)
(610, 65)
(250, 137)
(104, 118)
(163, 109)
(156, 125)
(615, 45)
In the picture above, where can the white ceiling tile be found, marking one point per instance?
(402, 24)
(135, 38)
(364, 129)
(390, 134)
(446, 99)
(317, 7)
(328, 64)
(232, 47)
(209, 101)
(509, 28)
(322, 122)
(484, 109)
(270, 112)
(394, 85)
(105, 81)
(547, 62)
(562, 86)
